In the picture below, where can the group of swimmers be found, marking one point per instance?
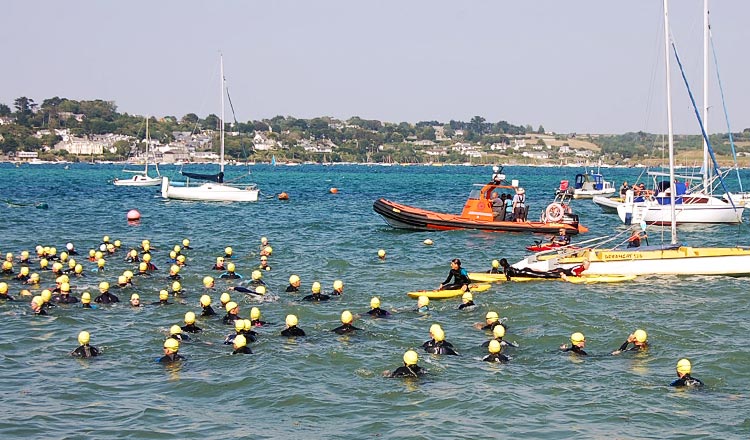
(244, 332)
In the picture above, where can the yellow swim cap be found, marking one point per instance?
(46, 295)
(43, 263)
(239, 341)
(577, 338)
(293, 279)
(55, 266)
(71, 263)
(121, 279)
(256, 275)
(315, 287)
(84, 337)
(205, 300)
(498, 331)
(467, 296)
(247, 324)
(181, 258)
(172, 344)
(230, 267)
(291, 320)
(491, 316)
(103, 286)
(65, 287)
(423, 301)
(260, 290)
(228, 250)
(684, 366)
(640, 336)
(64, 278)
(134, 296)
(381, 254)
(495, 264)
(163, 295)
(263, 240)
(208, 281)
(189, 318)
(495, 346)
(92, 252)
(255, 313)
(147, 258)
(128, 274)
(98, 255)
(78, 269)
(118, 243)
(174, 269)
(231, 305)
(176, 249)
(25, 270)
(185, 242)
(34, 277)
(434, 327)
(238, 325)
(175, 330)
(225, 298)
(86, 297)
(438, 335)
(375, 302)
(173, 255)
(346, 317)
(38, 300)
(3, 287)
(63, 256)
(338, 285)
(176, 286)
(105, 238)
(101, 262)
(268, 250)
(411, 357)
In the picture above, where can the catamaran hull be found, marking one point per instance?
(209, 192)
(684, 260)
(407, 217)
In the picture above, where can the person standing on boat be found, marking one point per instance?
(460, 277)
(519, 206)
(624, 188)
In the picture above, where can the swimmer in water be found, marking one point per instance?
(85, 350)
(132, 257)
(208, 284)
(495, 267)
(224, 299)
(467, 300)
(410, 367)
(460, 277)
(247, 330)
(499, 333)
(4, 292)
(291, 327)
(439, 345)
(577, 342)
(294, 283)
(174, 273)
(233, 312)
(86, 300)
(434, 328)
(135, 300)
(338, 288)
(186, 244)
(264, 263)
(230, 273)
(255, 318)
(171, 347)
(175, 332)
(684, 379)
(149, 265)
(205, 302)
(375, 310)
(266, 251)
(239, 327)
(228, 252)
(491, 320)
(65, 297)
(638, 338)
(143, 270)
(423, 304)
(163, 299)
(190, 326)
(495, 348)
(36, 306)
(316, 296)
(240, 345)
(219, 264)
(346, 324)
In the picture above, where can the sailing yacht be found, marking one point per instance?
(671, 259)
(215, 189)
(141, 178)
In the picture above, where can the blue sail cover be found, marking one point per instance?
(218, 178)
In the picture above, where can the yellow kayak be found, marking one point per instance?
(590, 279)
(441, 294)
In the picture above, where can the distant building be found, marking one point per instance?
(261, 142)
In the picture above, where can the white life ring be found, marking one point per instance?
(554, 212)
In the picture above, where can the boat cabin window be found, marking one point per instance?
(475, 194)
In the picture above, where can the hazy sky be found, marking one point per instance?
(589, 66)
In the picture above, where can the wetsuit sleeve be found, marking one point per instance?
(450, 276)
(624, 346)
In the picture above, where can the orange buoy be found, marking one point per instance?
(134, 215)
(334, 190)
(283, 196)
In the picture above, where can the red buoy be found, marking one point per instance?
(134, 215)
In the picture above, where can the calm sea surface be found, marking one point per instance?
(329, 386)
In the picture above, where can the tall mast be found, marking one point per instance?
(669, 122)
(221, 126)
(706, 168)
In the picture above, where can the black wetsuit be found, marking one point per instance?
(624, 347)
(502, 342)
(466, 304)
(293, 331)
(85, 351)
(230, 275)
(170, 358)
(577, 350)
(432, 342)
(86, 306)
(161, 302)
(686, 381)
(229, 340)
(243, 350)
(249, 335)
(377, 312)
(217, 267)
(208, 311)
(496, 357)
(6, 297)
(292, 289)
(229, 318)
(495, 270)
(65, 299)
(460, 278)
(493, 325)
(344, 329)
(248, 291)
(174, 277)
(106, 298)
(408, 371)
(336, 293)
(441, 348)
(191, 328)
(258, 323)
(317, 297)
(179, 337)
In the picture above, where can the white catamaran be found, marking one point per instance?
(672, 259)
(215, 190)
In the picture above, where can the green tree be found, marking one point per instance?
(4, 110)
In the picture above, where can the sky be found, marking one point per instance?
(586, 66)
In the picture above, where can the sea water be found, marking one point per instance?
(330, 386)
